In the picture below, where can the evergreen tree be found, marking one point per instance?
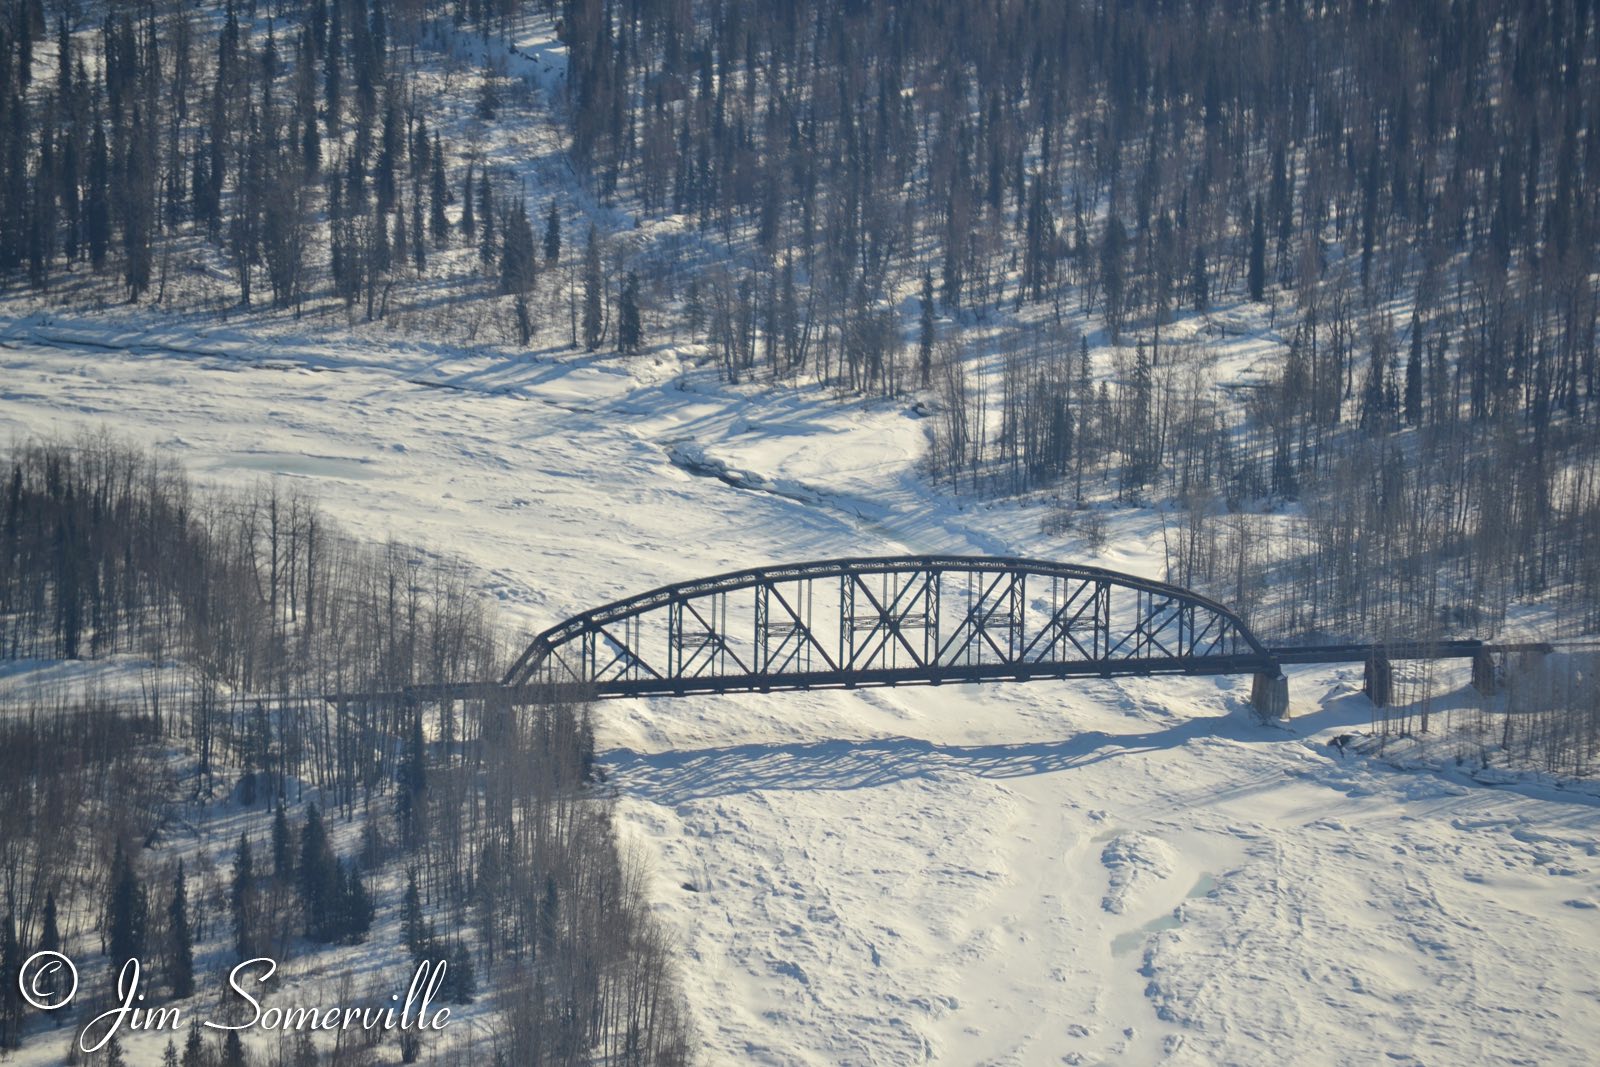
(1199, 281)
(332, 81)
(552, 234)
(127, 913)
(11, 1002)
(282, 847)
(1141, 465)
(138, 205)
(356, 908)
(550, 914)
(517, 263)
(97, 208)
(460, 982)
(241, 898)
(694, 309)
(469, 222)
(419, 239)
(1413, 400)
(438, 223)
(488, 98)
(402, 236)
(488, 246)
(232, 1050)
(390, 145)
(1039, 245)
(1258, 257)
(50, 934)
(925, 332)
(310, 134)
(1375, 394)
(593, 322)
(180, 961)
(413, 784)
(1369, 217)
(194, 1052)
(321, 883)
(1113, 250)
(630, 332)
(524, 319)
(413, 926)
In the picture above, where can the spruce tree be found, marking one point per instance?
(409, 789)
(1113, 250)
(1375, 394)
(402, 236)
(517, 264)
(241, 899)
(419, 239)
(127, 913)
(356, 908)
(460, 982)
(469, 221)
(97, 209)
(552, 234)
(550, 914)
(194, 1051)
(1413, 399)
(593, 324)
(630, 332)
(50, 934)
(11, 1002)
(282, 847)
(694, 308)
(488, 245)
(321, 883)
(438, 222)
(925, 331)
(413, 927)
(1258, 257)
(180, 961)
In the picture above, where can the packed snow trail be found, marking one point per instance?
(1076, 872)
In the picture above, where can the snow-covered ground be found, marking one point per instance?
(1075, 872)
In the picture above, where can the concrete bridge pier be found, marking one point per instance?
(1484, 675)
(1378, 682)
(1269, 694)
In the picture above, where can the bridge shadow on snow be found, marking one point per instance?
(677, 777)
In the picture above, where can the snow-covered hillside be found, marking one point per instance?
(1056, 872)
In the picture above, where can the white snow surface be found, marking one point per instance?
(1095, 871)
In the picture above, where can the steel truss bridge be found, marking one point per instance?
(913, 620)
(904, 620)
(920, 620)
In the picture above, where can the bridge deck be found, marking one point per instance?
(1280, 655)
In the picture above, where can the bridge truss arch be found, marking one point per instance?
(901, 620)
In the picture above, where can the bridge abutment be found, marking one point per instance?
(1269, 695)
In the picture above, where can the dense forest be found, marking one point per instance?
(1408, 189)
(1040, 215)
(243, 611)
